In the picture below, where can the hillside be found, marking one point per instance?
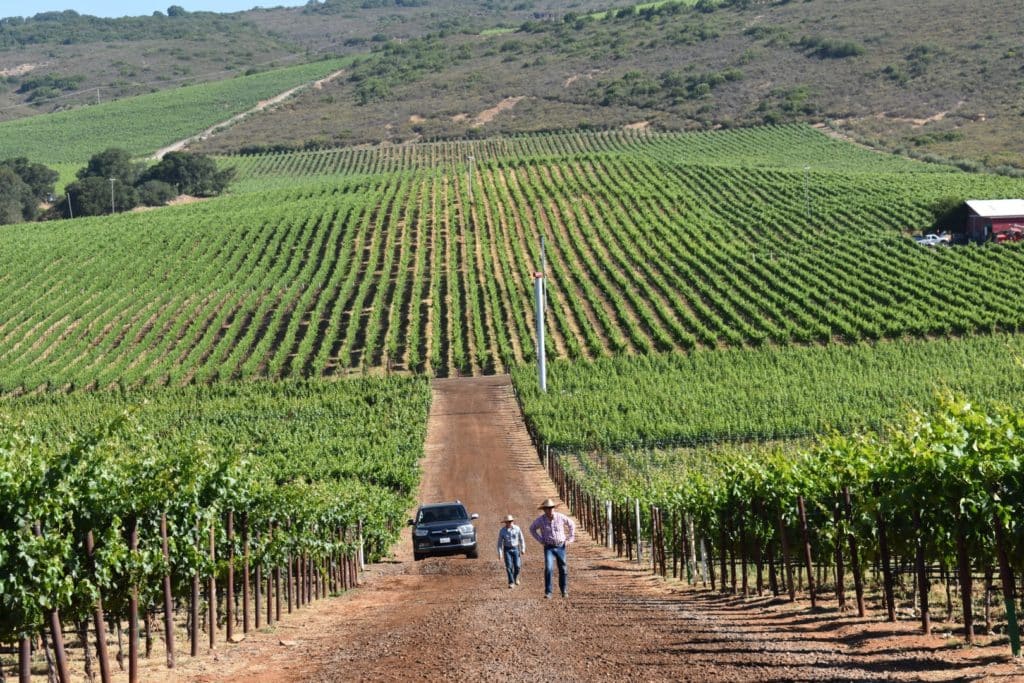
(143, 124)
(65, 61)
(847, 64)
(896, 75)
(324, 263)
(53, 61)
(240, 396)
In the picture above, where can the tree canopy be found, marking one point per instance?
(23, 186)
(15, 196)
(113, 163)
(192, 174)
(96, 196)
(113, 172)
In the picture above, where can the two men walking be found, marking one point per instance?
(554, 531)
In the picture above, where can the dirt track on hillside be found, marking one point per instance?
(456, 619)
(260, 106)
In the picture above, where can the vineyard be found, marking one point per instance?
(934, 501)
(735, 287)
(145, 123)
(212, 508)
(429, 269)
(809, 468)
(757, 395)
(774, 147)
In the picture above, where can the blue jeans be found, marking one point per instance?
(552, 554)
(512, 564)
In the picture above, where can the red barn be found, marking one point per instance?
(995, 219)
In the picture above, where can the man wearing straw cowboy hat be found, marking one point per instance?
(511, 546)
(554, 531)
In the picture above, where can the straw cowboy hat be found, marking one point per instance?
(508, 518)
(548, 503)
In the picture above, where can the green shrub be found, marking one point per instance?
(828, 48)
(949, 213)
(193, 174)
(155, 193)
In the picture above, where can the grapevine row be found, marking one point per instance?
(264, 492)
(643, 254)
(941, 492)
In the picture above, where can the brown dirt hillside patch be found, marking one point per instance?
(488, 115)
(20, 69)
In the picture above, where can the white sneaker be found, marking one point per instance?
(511, 585)
(547, 596)
(517, 580)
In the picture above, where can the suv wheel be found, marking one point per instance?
(473, 554)
(416, 556)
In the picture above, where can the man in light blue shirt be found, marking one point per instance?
(511, 546)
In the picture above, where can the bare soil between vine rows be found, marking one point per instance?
(456, 619)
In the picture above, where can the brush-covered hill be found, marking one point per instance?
(938, 78)
(52, 61)
(57, 61)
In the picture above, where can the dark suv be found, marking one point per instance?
(443, 529)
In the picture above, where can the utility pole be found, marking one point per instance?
(470, 160)
(538, 296)
(112, 194)
(544, 269)
(807, 200)
(71, 213)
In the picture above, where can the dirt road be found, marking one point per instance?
(456, 619)
(260, 106)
